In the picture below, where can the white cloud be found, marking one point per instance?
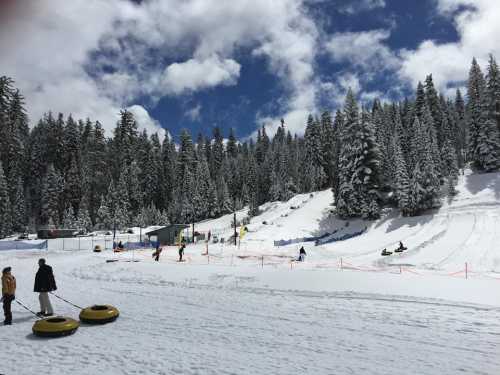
(145, 121)
(477, 25)
(364, 49)
(52, 51)
(194, 114)
(193, 75)
(362, 5)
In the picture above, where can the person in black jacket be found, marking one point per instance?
(181, 251)
(302, 254)
(44, 283)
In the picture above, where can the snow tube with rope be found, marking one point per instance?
(99, 314)
(55, 327)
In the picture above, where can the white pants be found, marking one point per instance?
(45, 306)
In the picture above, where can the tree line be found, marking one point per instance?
(68, 173)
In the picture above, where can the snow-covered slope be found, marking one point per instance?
(464, 230)
(248, 310)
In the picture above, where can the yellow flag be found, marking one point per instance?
(179, 239)
(243, 231)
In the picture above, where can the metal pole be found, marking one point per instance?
(235, 233)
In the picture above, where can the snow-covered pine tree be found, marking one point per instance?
(476, 88)
(380, 119)
(83, 221)
(52, 188)
(436, 111)
(366, 176)
(19, 219)
(459, 113)
(69, 220)
(401, 180)
(425, 177)
(122, 199)
(73, 183)
(347, 198)
(5, 207)
(231, 147)
(104, 216)
(493, 91)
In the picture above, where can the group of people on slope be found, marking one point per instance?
(159, 249)
(44, 283)
(398, 250)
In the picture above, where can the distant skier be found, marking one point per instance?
(181, 251)
(302, 254)
(44, 283)
(8, 294)
(157, 253)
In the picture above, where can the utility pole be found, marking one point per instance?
(234, 219)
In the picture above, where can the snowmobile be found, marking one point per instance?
(385, 252)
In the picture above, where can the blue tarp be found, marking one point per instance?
(340, 238)
(302, 239)
(23, 245)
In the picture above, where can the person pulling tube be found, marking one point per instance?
(44, 283)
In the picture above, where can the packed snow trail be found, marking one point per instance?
(235, 320)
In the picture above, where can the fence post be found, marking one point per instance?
(262, 261)
(208, 259)
(466, 271)
(400, 269)
(341, 265)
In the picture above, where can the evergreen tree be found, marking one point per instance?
(69, 220)
(51, 192)
(5, 209)
(104, 216)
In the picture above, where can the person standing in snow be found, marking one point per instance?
(44, 283)
(8, 294)
(181, 251)
(302, 254)
(157, 253)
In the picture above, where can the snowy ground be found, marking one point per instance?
(238, 313)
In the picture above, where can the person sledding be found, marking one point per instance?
(8, 294)
(385, 252)
(401, 248)
(181, 251)
(119, 248)
(157, 252)
(302, 255)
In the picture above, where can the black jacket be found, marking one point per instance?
(44, 279)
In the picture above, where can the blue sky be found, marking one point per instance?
(196, 64)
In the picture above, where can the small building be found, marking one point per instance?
(167, 235)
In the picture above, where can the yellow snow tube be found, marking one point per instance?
(99, 314)
(55, 327)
